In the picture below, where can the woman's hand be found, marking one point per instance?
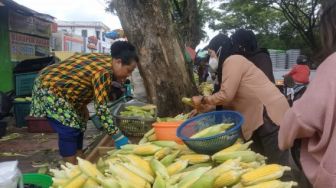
(197, 101)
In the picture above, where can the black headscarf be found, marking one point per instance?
(215, 43)
(244, 42)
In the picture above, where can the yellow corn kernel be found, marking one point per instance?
(162, 153)
(90, 183)
(228, 178)
(88, 168)
(263, 173)
(195, 158)
(146, 149)
(127, 175)
(274, 184)
(77, 181)
(141, 163)
(177, 167)
(139, 172)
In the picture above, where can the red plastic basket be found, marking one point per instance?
(38, 125)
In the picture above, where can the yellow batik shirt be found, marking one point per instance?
(62, 91)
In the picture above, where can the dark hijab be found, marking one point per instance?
(244, 42)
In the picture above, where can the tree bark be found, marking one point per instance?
(148, 25)
(191, 31)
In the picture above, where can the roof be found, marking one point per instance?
(95, 24)
(25, 10)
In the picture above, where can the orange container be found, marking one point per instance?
(167, 130)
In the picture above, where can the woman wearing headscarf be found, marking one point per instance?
(246, 89)
(312, 118)
(245, 43)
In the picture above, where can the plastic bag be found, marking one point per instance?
(10, 175)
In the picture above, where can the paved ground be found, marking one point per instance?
(38, 148)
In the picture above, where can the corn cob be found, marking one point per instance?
(139, 172)
(177, 167)
(143, 140)
(189, 179)
(76, 181)
(234, 147)
(162, 153)
(187, 101)
(70, 170)
(150, 132)
(228, 178)
(193, 167)
(59, 174)
(165, 143)
(167, 160)
(159, 182)
(263, 173)
(159, 168)
(141, 163)
(232, 164)
(177, 177)
(146, 149)
(59, 182)
(204, 181)
(152, 138)
(253, 164)
(88, 168)
(127, 175)
(195, 158)
(108, 182)
(213, 130)
(90, 183)
(246, 156)
(128, 146)
(125, 184)
(274, 184)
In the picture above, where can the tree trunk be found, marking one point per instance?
(191, 24)
(147, 24)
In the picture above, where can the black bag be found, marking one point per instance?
(34, 65)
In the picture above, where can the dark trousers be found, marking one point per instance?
(265, 142)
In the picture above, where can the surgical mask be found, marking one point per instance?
(213, 61)
(213, 64)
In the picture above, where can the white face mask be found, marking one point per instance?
(213, 61)
(213, 64)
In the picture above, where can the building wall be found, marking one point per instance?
(6, 66)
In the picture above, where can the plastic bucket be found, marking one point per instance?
(167, 130)
(42, 180)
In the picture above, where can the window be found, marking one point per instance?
(84, 33)
(103, 36)
(98, 35)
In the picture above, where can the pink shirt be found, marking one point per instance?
(313, 119)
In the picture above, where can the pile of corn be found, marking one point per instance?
(147, 111)
(166, 164)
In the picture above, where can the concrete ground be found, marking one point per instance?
(39, 149)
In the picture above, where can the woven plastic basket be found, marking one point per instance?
(133, 126)
(212, 144)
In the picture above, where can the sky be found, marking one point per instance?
(74, 10)
(83, 10)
